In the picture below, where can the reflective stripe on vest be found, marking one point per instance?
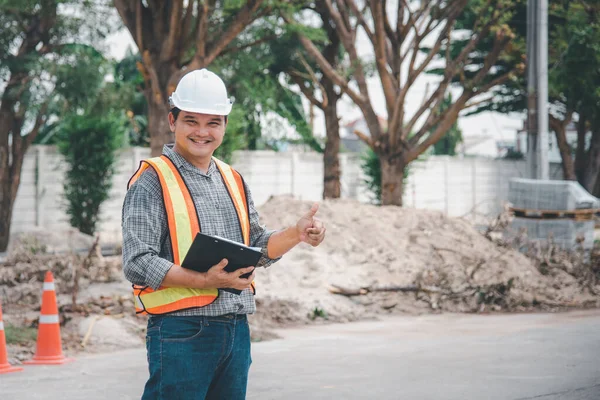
(183, 226)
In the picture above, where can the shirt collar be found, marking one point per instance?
(181, 162)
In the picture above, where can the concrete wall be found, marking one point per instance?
(455, 186)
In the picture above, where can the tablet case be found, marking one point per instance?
(207, 251)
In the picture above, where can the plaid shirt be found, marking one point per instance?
(147, 251)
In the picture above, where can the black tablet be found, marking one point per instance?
(207, 250)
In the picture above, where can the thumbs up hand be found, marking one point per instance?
(311, 230)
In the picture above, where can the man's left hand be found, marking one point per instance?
(311, 229)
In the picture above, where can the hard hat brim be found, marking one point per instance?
(224, 110)
(206, 111)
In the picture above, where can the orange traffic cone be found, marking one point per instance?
(49, 345)
(5, 367)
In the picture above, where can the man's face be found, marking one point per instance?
(198, 135)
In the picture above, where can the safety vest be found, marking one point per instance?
(183, 226)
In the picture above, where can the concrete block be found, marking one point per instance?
(534, 194)
(565, 233)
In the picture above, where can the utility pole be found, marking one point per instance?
(537, 89)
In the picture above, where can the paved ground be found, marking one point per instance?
(512, 357)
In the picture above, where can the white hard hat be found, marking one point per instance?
(201, 91)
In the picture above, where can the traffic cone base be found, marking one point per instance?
(5, 367)
(52, 360)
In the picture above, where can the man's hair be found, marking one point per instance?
(175, 111)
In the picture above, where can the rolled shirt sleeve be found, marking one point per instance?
(259, 234)
(144, 229)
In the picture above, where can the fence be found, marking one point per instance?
(454, 186)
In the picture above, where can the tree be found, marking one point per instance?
(89, 143)
(88, 132)
(398, 46)
(36, 38)
(311, 80)
(128, 81)
(573, 65)
(573, 70)
(575, 77)
(174, 37)
(253, 79)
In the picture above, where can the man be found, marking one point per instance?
(198, 340)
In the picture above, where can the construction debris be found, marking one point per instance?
(418, 260)
(22, 274)
(374, 261)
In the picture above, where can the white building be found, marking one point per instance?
(350, 141)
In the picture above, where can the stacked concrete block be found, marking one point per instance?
(538, 195)
(531, 194)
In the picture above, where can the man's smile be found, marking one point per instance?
(200, 141)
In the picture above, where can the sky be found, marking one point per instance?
(498, 126)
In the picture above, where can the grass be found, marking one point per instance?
(318, 313)
(19, 335)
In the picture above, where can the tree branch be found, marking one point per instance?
(139, 24)
(151, 77)
(478, 102)
(494, 82)
(436, 98)
(392, 48)
(346, 17)
(39, 122)
(298, 79)
(327, 69)
(361, 19)
(340, 26)
(398, 115)
(198, 60)
(388, 28)
(367, 139)
(411, 20)
(452, 12)
(129, 18)
(244, 17)
(233, 50)
(169, 50)
(559, 128)
(389, 90)
(400, 24)
(347, 39)
(443, 121)
(475, 39)
(186, 25)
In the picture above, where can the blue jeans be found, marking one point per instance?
(197, 357)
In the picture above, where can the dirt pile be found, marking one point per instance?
(22, 273)
(404, 260)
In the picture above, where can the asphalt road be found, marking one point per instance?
(508, 357)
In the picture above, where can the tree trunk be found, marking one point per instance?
(596, 191)
(158, 125)
(593, 163)
(392, 180)
(331, 177)
(160, 80)
(7, 122)
(581, 152)
(565, 152)
(332, 188)
(6, 207)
